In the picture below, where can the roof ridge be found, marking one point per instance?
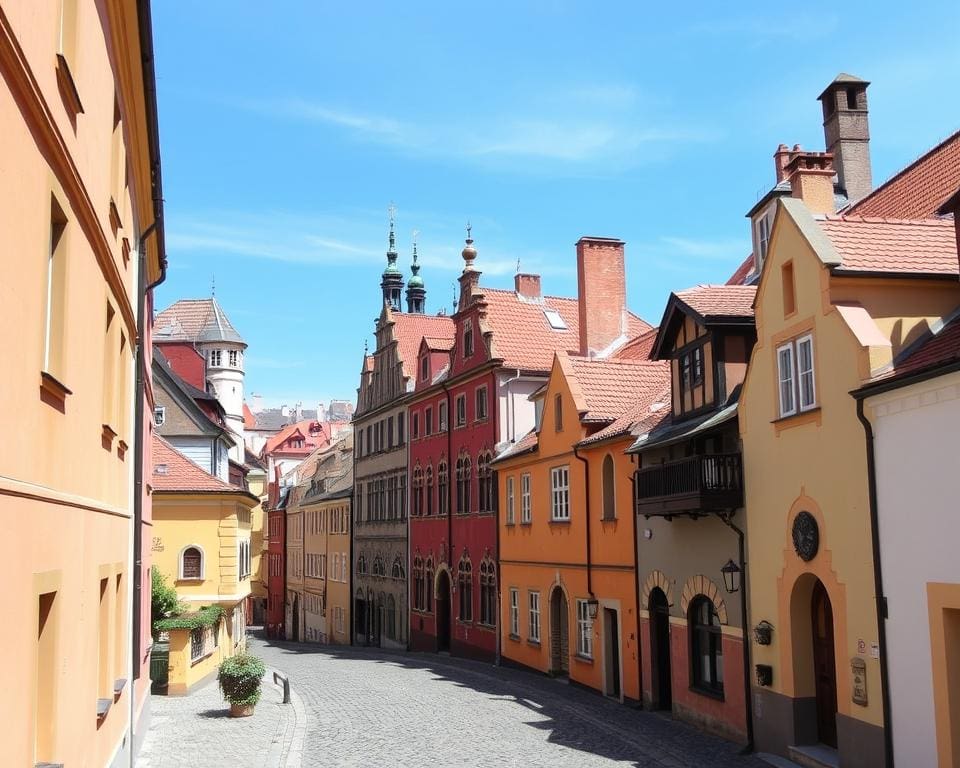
(932, 221)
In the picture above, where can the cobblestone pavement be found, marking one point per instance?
(365, 707)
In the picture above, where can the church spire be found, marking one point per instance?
(416, 291)
(391, 283)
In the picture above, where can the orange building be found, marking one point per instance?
(567, 556)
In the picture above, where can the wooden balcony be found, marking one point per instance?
(695, 485)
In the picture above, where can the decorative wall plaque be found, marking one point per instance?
(858, 669)
(806, 536)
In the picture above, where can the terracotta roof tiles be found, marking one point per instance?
(895, 246)
(638, 348)
(935, 350)
(410, 329)
(652, 405)
(610, 387)
(720, 301)
(172, 471)
(743, 272)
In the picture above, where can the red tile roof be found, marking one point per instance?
(938, 349)
(310, 441)
(410, 329)
(894, 246)
(638, 418)
(743, 272)
(249, 420)
(919, 189)
(525, 444)
(439, 345)
(185, 319)
(172, 471)
(610, 387)
(720, 301)
(522, 335)
(638, 348)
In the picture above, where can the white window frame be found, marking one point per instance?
(514, 612)
(533, 615)
(215, 358)
(797, 404)
(790, 380)
(511, 501)
(584, 630)
(159, 415)
(764, 226)
(806, 339)
(560, 493)
(526, 508)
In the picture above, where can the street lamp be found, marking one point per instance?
(731, 576)
(593, 606)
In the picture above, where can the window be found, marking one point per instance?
(418, 585)
(191, 563)
(415, 426)
(533, 629)
(429, 490)
(584, 629)
(215, 358)
(362, 566)
(417, 491)
(424, 368)
(795, 369)
(463, 484)
(428, 421)
(697, 365)
(442, 417)
(397, 572)
(46, 676)
(232, 358)
(400, 424)
(443, 483)
(526, 514)
(390, 432)
(481, 405)
(558, 413)
(514, 612)
(560, 493)
(54, 353)
(465, 582)
(706, 649)
(243, 557)
(461, 410)
(487, 496)
(609, 491)
(556, 322)
(511, 502)
(468, 339)
(788, 290)
(488, 593)
(159, 415)
(763, 238)
(428, 585)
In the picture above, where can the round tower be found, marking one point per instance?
(223, 348)
(416, 291)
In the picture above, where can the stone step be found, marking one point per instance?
(815, 756)
(776, 760)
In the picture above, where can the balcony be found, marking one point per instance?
(695, 485)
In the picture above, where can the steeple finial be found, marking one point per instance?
(392, 283)
(213, 286)
(416, 292)
(392, 211)
(469, 253)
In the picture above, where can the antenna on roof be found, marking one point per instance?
(518, 265)
(213, 285)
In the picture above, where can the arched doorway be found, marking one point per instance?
(559, 633)
(443, 610)
(296, 618)
(659, 610)
(360, 612)
(824, 664)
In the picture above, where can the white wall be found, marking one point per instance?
(197, 449)
(917, 464)
(516, 415)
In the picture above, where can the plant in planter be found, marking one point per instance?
(239, 679)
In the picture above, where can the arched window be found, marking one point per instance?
(378, 567)
(391, 618)
(706, 648)
(361, 566)
(443, 483)
(465, 585)
(609, 494)
(487, 493)
(463, 484)
(417, 491)
(429, 484)
(191, 563)
(418, 584)
(398, 571)
(428, 586)
(488, 593)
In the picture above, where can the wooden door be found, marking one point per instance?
(660, 646)
(443, 612)
(824, 665)
(611, 631)
(559, 633)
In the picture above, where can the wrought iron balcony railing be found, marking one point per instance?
(687, 486)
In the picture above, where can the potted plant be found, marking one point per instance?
(239, 679)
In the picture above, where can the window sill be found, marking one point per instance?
(559, 522)
(710, 694)
(526, 522)
(103, 707)
(68, 87)
(515, 638)
(118, 687)
(534, 643)
(52, 389)
(510, 524)
(579, 657)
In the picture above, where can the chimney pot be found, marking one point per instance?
(601, 280)
(527, 285)
(780, 159)
(811, 180)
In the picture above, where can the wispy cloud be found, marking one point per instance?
(686, 254)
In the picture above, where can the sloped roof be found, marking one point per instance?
(310, 442)
(647, 411)
(195, 320)
(252, 461)
(409, 329)
(893, 246)
(638, 348)
(438, 345)
(743, 272)
(172, 471)
(718, 302)
(610, 387)
(273, 418)
(919, 189)
(526, 444)
(934, 350)
(249, 420)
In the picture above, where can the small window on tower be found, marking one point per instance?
(232, 357)
(215, 358)
(851, 98)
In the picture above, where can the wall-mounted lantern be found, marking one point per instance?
(763, 633)
(764, 675)
(731, 576)
(593, 607)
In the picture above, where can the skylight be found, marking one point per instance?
(556, 322)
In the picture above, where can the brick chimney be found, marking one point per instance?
(601, 280)
(811, 179)
(846, 133)
(527, 285)
(780, 159)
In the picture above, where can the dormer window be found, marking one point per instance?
(159, 415)
(424, 368)
(764, 225)
(468, 340)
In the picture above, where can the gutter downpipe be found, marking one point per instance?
(511, 432)
(878, 582)
(450, 464)
(586, 486)
(636, 574)
(353, 512)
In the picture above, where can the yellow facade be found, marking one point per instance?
(326, 582)
(257, 484)
(815, 462)
(76, 200)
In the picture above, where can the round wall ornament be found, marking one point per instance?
(806, 536)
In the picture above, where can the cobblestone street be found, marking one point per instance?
(354, 707)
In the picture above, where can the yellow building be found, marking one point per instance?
(257, 485)
(83, 245)
(202, 546)
(838, 298)
(294, 602)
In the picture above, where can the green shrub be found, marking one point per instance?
(205, 617)
(164, 602)
(240, 677)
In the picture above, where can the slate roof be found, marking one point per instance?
(195, 320)
(718, 302)
(893, 246)
(919, 189)
(273, 419)
(409, 329)
(172, 471)
(609, 387)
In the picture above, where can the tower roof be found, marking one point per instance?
(415, 280)
(217, 327)
(843, 80)
(195, 320)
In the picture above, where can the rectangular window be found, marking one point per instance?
(104, 678)
(584, 629)
(45, 718)
(400, 426)
(787, 379)
(763, 238)
(442, 415)
(787, 285)
(468, 340)
(697, 365)
(159, 416)
(560, 493)
(109, 395)
(558, 413)
(510, 502)
(481, 410)
(232, 358)
(533, 630)
(808, 393)
(54, 353)
(415, 426)
(526, 514)
(428, 421)
(424, 368)
(390, 432)
(215, 358)
(514, 612)
(461, 410)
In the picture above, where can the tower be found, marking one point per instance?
(416, 291)
(223, 348)
(846, 133)
(392, 280)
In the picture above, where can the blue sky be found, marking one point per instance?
(286, 134)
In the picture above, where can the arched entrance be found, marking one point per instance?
(559, 633)
(360, 612)
(659, 610)
(296, 618)
(824, 664)
(443, 610)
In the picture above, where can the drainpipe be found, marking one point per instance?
(747, 689)
(586, 485)
(878, 583)
(636, 575)
(512, 412)
(449, 484)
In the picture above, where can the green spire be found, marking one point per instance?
(392, 268)
(415, 281)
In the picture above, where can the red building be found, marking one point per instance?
(276, 557)
(471, 400)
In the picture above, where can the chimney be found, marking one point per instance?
(846, 133)
(780, 159)
(601, 282)
(527, 285)
(811, 179)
